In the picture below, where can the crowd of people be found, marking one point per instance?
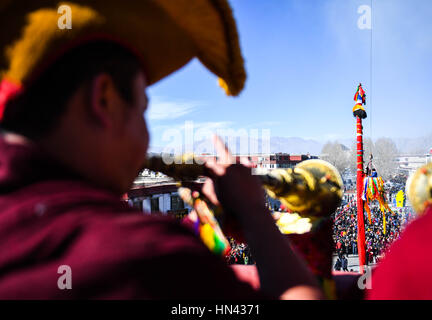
(345, 237)
(239, 253)
(377, 242)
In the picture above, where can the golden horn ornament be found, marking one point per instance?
(419, 188)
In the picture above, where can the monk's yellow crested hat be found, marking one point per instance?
(166, 34)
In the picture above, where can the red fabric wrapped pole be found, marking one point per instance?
(360, 176)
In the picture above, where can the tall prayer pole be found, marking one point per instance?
(360, 217)
(360, 113)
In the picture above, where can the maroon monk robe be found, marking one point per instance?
(49, 217)
(405, 271)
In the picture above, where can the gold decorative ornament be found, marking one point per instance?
(419, 188)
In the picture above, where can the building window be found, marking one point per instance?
(176, 203)
(137, 204)
(154, 203)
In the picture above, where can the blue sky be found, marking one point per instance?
(304, 60)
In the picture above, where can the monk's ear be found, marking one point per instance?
(103, 99)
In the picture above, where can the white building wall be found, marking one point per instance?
(164, 202)
(146, 206)
(161, 204)
(411, 163)
(167, 202)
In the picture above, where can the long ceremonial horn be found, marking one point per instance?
(312, 188)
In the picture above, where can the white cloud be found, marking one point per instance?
(162, 109)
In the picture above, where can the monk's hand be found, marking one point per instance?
(232, 185)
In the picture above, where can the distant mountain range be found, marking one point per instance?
(409, 146)
(296, 145)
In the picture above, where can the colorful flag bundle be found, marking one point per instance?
(360, 99)
(360, 95)
(206, 225)
(373, 189)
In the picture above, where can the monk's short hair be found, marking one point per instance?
(35, 112)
